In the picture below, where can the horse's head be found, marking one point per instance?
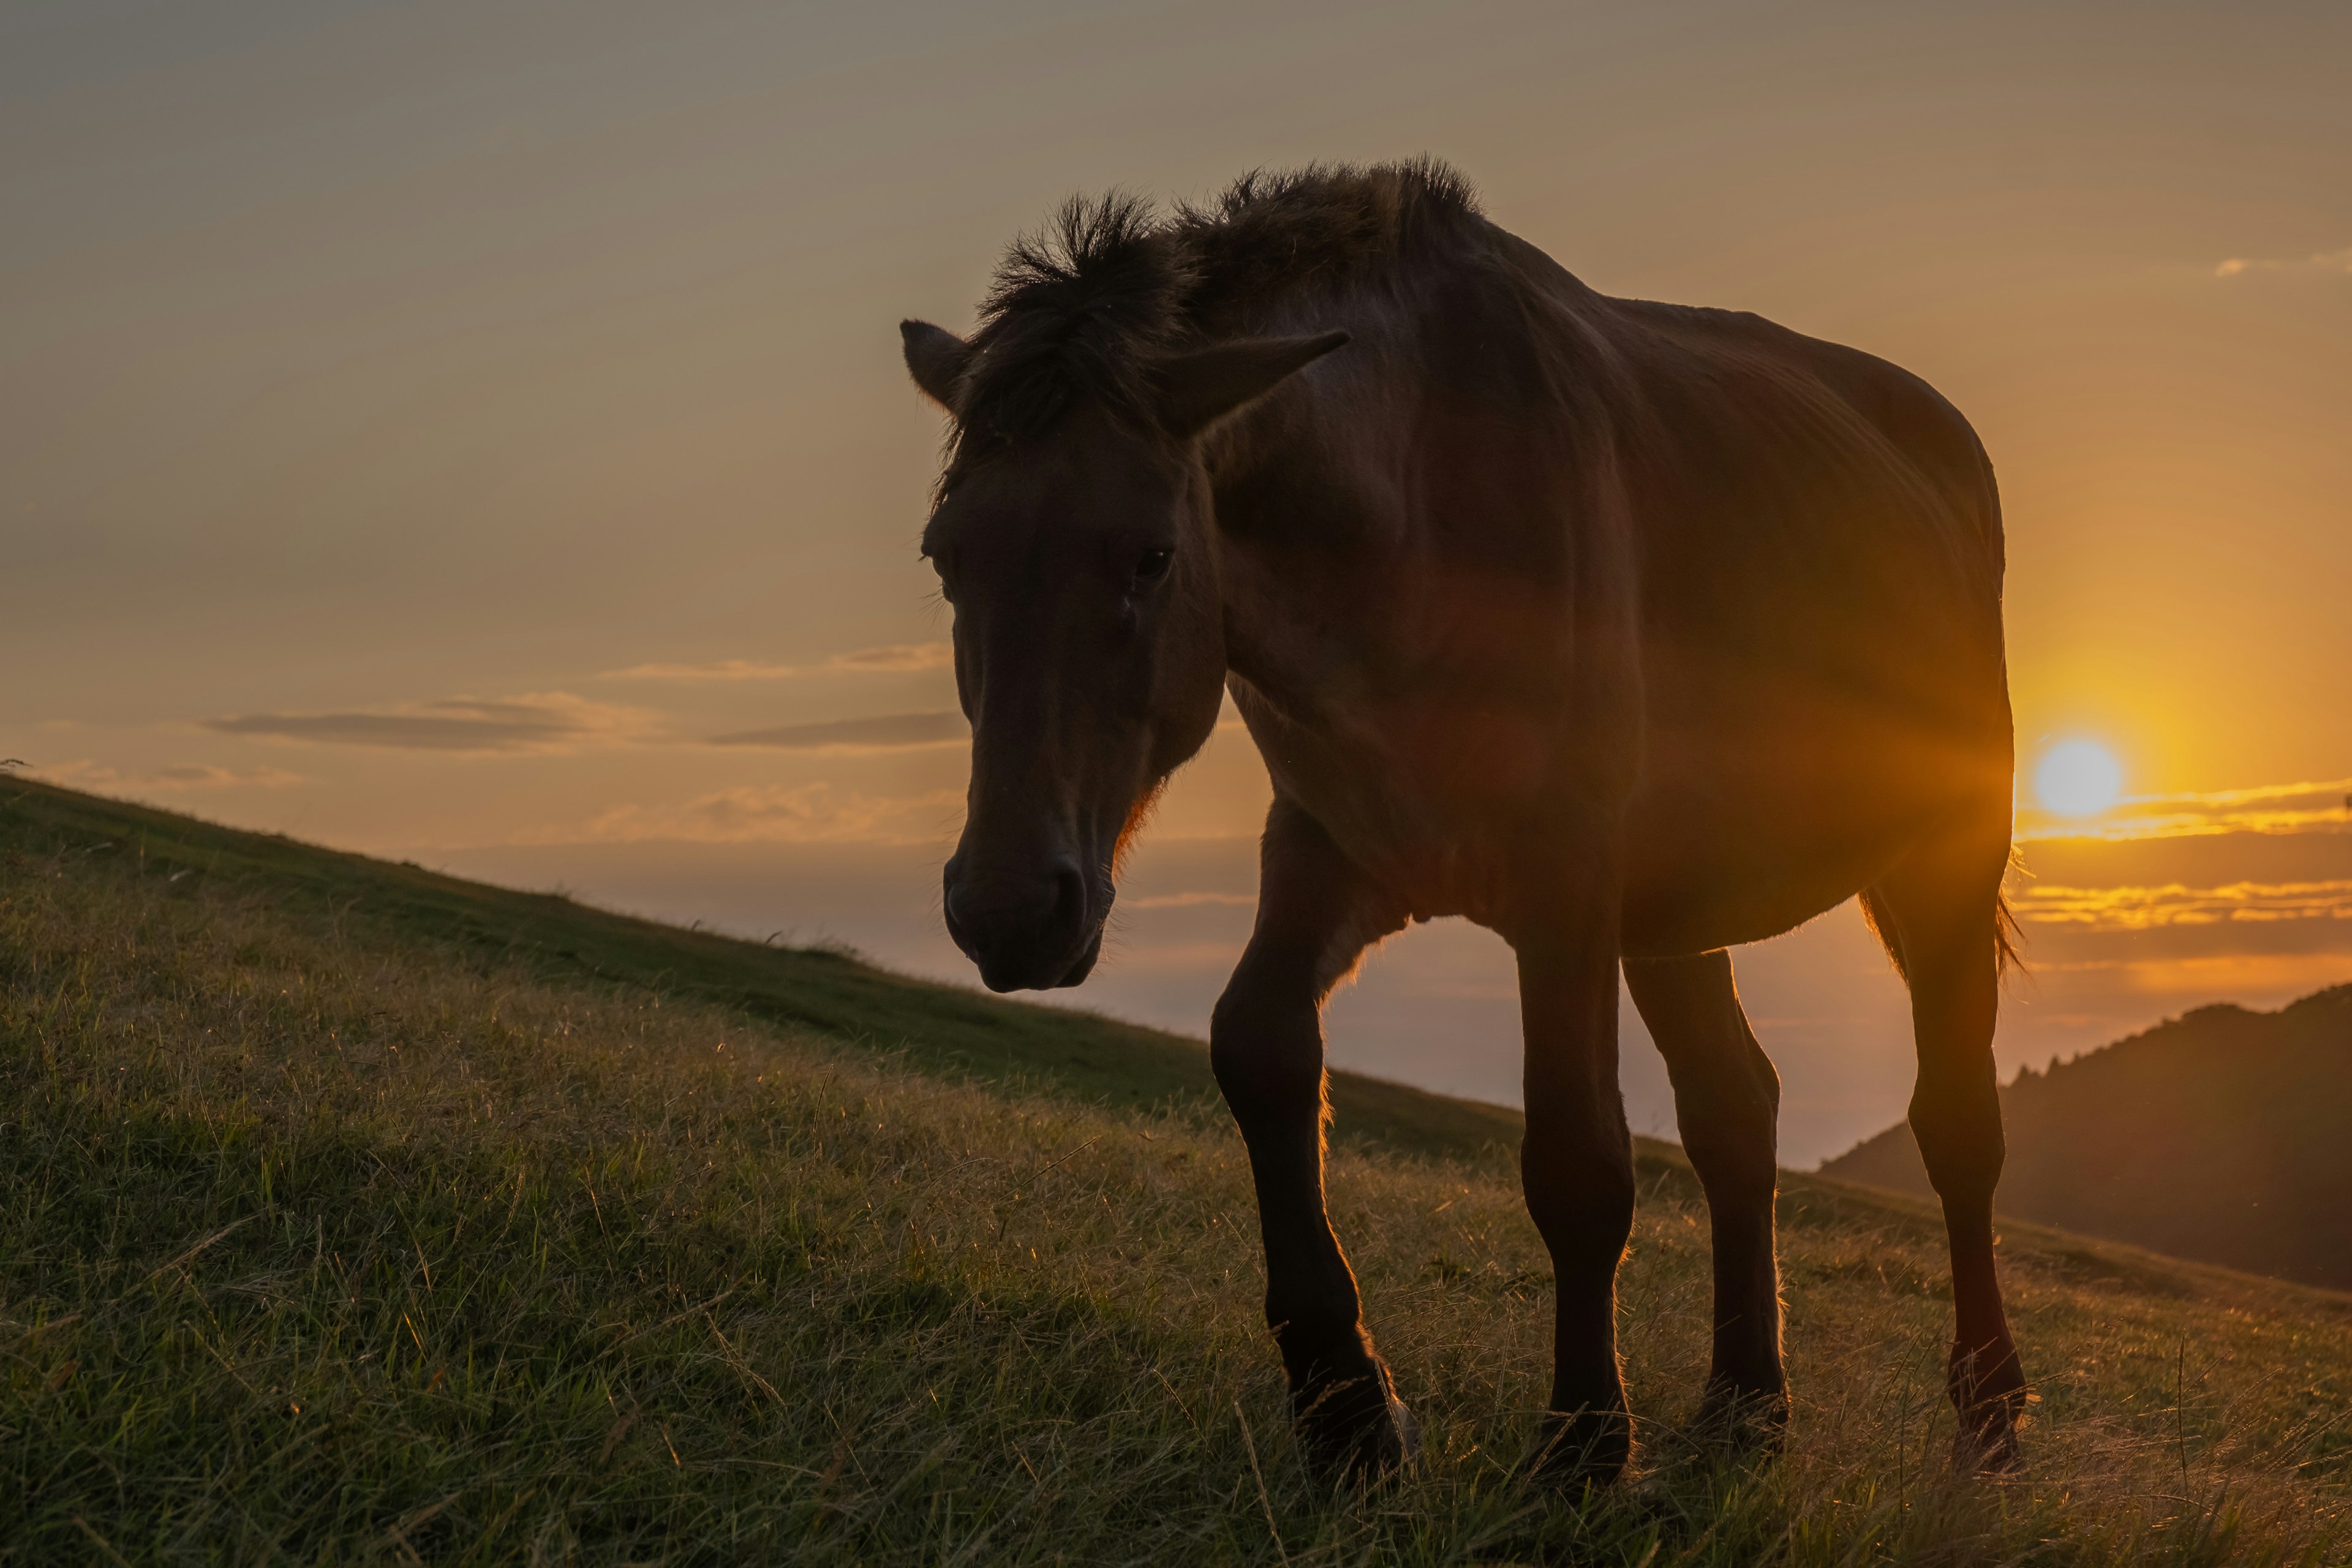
(1078, 553)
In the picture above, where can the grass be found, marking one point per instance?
(351, 1213)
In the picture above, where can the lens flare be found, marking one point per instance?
(2078, 778)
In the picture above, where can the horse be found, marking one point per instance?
(1630, 631)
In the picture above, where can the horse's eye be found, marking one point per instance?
(1153, 565)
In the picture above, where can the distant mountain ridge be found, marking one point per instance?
(2224, 1135)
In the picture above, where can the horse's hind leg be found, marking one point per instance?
(1317, 913)
(1940, 913)
(1726, 1100)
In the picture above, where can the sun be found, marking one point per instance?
(2078, 778)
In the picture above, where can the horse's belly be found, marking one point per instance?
(1700, 882)
(1738, 836)
(1742, 825)
(1690, 900)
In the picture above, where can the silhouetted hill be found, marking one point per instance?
(2224, 1135)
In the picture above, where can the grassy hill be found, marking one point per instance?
(2224, 1135)
(348, 1212)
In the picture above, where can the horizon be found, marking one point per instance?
(481, 439)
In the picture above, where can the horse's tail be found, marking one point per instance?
(2006, 937)
(1881, 921)
(2005, 933)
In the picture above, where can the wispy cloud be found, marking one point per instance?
(722, 669)
(2304, 807)
(88, 775)
(1186, 901)
(893, 658)
(535, 721)
(2175, 904)
(899, 657)
(808, 813)
(885, 732)
(2318, 261)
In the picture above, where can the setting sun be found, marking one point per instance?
(2078, 778)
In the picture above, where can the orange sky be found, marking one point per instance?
(477, 433)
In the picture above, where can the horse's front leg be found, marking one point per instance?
(1577, 1160)
(1317, 913)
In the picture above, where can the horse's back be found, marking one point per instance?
(1819, 562)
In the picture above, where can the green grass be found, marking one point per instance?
(352, 1213)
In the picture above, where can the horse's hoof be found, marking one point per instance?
(1358, 1432)
(1587, 1449)
(1986, 1453)
(1986, 1443)
(1990, 1404)
(1743, 1421)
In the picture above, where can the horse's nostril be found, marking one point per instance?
(1054, 902)
(1069, 899)
(1020, 922)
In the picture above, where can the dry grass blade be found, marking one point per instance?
(191, 1255)
(1257, 1473)
(100, 1542)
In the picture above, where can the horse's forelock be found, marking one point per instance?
(1077, 313)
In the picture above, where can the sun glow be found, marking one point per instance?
(2078, 778)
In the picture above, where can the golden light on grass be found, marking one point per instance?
(2078, 778)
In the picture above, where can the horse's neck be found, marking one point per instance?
(1304, 525)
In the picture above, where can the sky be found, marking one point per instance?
(475, 435)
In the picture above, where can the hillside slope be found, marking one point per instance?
(936, 1027)
(350, 1213)
(2224, 1135)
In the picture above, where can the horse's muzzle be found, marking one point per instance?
(1030, 928)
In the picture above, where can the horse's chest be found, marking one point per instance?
(1429, 798)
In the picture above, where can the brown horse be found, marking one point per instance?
(1630, 631)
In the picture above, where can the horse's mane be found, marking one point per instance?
(1077, 313)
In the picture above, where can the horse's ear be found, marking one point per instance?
(1199, 388)
(936, 358)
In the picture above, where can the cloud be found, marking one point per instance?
(723, 669)
(2306, 807)
(536, 722)
(885, 732)
(893, 658)
(902, 658)
(770, 813)
(1186, 901)
(2318, 261)
(2176, 904)
(86, 774)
